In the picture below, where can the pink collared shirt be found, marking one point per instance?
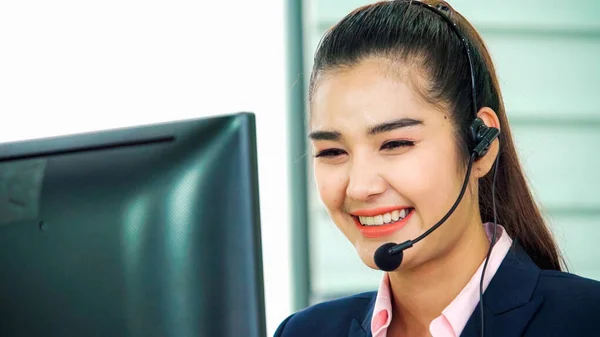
(455, 316)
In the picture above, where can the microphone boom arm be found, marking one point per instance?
(407, 244)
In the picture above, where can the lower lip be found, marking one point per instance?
(376, 231)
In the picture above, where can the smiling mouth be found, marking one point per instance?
(383, 224)
(384, 219)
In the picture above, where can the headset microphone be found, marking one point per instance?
(389, 256)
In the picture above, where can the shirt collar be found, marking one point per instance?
(458, 312)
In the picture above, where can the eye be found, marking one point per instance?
(394, 144)
(330, 153)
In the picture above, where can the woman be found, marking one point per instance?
(393, 96)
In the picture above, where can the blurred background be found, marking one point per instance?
(72, 66)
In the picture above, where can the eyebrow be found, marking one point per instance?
(373, 130)
(393, 125)
(325, 135)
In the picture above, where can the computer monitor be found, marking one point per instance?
(142, 231)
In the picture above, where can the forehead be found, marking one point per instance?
(367, 93)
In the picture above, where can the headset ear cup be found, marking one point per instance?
(475, 132)
(482, 137)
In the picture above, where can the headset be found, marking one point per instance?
(389, 256)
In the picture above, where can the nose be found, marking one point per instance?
(364, 181)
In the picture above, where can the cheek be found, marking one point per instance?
(428, 180)
(330, 185)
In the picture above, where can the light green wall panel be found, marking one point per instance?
(562, 164)
(577, 236)
(547, 77)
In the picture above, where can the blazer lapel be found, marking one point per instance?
(509, 301)
(356, 330)
(363, 329)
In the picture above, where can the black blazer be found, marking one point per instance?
(521, 300)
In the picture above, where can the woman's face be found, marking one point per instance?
(386, 163)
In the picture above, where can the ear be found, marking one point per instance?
(483, 165)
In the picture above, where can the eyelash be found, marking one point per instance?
(397, 144)
(329, 153)
(387, 146)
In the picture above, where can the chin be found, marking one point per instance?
(369, 261)
(366, 247)
(366, 252)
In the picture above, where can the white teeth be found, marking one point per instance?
(403, 213)
(383, 218)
